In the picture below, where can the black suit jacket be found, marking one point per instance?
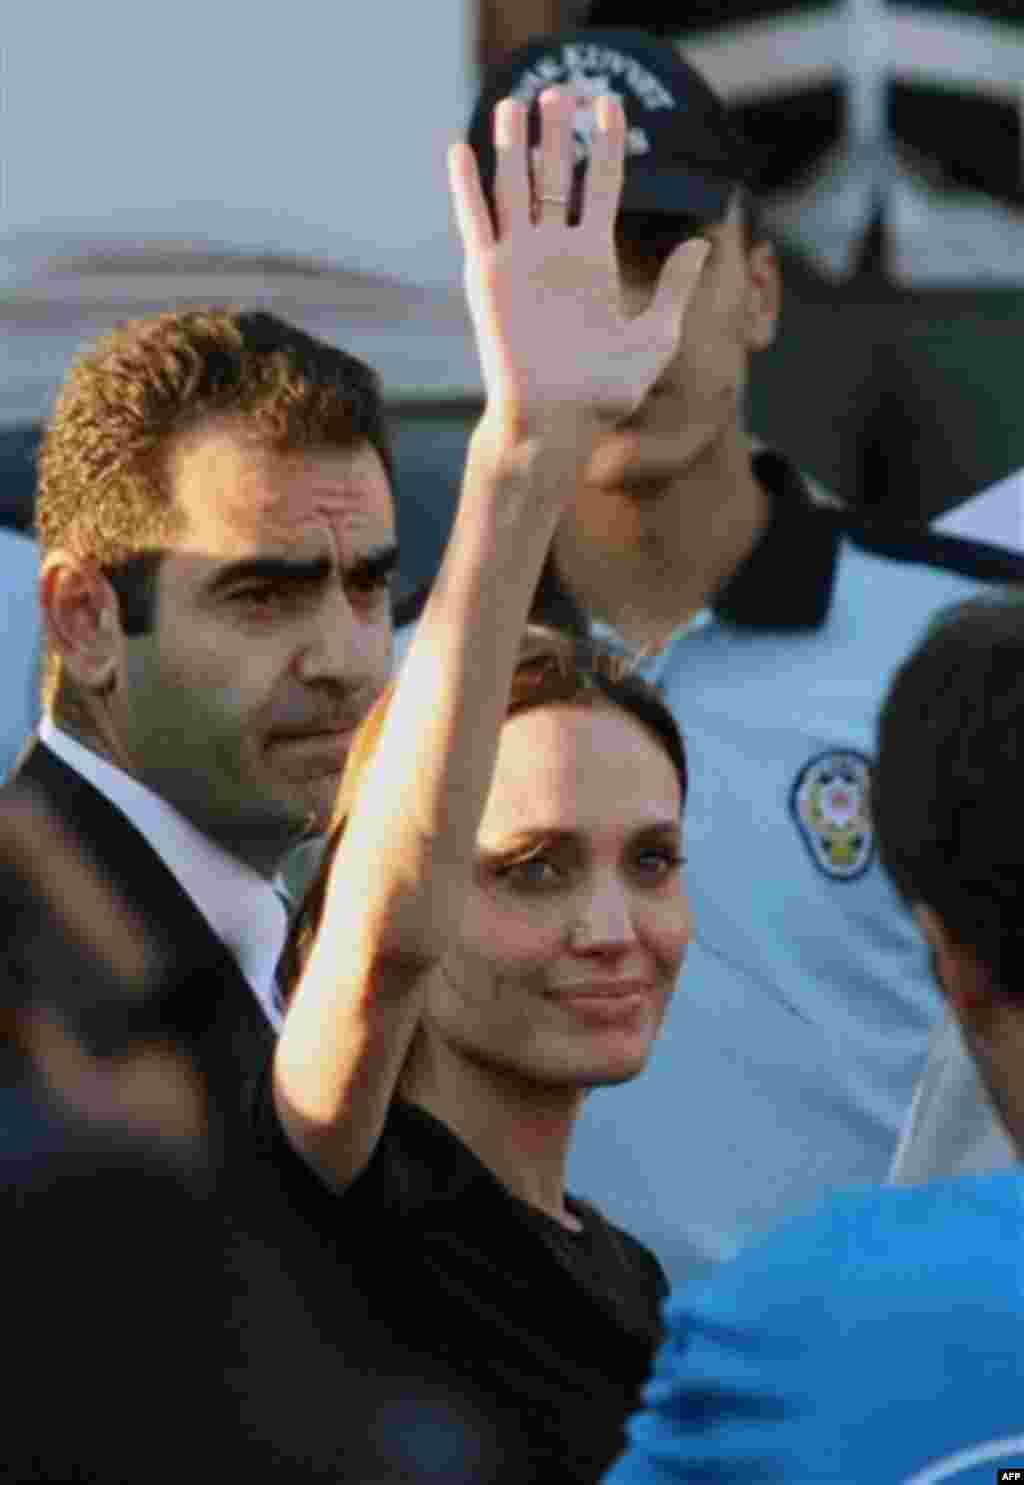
(203, 999)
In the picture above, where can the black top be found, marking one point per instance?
(160, 1328)
(555, 1331)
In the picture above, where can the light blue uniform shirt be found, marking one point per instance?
(802, 1016)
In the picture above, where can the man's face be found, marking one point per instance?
(698, 399)
(271, 638)
(990, 1023)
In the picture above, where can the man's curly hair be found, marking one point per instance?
(104, 469)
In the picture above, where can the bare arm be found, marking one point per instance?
(560, 361)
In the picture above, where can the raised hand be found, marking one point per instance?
(544, 295)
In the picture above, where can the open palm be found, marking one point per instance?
(544, 295)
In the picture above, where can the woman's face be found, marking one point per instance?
(577, 920)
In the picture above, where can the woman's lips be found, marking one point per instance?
(606, 1000)
(602, 987)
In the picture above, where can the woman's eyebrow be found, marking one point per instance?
(522, 842)
(658, 829)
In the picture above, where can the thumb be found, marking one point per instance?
(677, 281)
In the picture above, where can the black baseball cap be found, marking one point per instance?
(684, 156)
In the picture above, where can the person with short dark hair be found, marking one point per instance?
(952, 1128)
(771, 617)
(887, 141)
(878, 1338)
(501, 915)
(217, 530)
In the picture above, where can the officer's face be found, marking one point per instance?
(698, 399)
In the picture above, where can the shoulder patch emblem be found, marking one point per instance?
(830, 804)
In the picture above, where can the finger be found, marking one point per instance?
(553, 165)
(511, 174)
(676, 283)
(471, 214)
(603, 183)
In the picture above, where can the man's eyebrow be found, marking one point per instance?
(312, 570)
(375, 565)
(271, 570)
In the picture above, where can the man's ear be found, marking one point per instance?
(963, 979)
(764, 295)
(82, 618)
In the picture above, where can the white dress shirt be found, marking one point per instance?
(242, 908)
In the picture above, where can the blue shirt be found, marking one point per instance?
(803, 1013)
(802, 1017)
(874, 1341)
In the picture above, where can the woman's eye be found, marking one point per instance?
(660, 863)
(535, 872)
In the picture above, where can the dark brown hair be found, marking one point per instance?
(104, 468)
(554, 669)
(946, 790)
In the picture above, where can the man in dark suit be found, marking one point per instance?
(217, 534)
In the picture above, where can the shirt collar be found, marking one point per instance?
(648, 664)
(242, 908)
(786, 582)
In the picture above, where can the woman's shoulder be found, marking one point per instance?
(416, 1164)
(624, 1249)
